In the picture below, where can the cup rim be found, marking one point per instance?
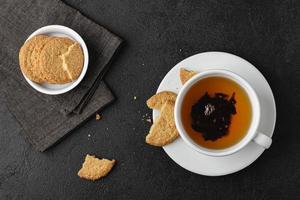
(255, 104)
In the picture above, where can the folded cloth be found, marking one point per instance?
(45, 118)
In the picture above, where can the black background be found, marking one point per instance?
(158, 35)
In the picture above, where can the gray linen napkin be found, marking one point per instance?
(45, 118)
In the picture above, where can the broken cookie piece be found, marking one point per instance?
(185, 75)
(94, 168)
(163, 131)
(158, 100)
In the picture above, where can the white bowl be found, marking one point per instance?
(60, 31)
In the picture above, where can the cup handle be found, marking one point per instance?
(262, 140)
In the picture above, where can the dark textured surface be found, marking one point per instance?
(159, 34)
(45, 119)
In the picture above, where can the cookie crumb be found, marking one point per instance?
(89, 135)
(98, 117)
(149, 120)
(134, 98)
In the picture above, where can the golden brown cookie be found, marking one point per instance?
(163, 131)
(185, 75)
(35, 57)
(158, 100)
(73, 59)
(61, 60)
(28, 56)
(94, 168)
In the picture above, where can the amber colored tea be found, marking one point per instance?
(240, 121)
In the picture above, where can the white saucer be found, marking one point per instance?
(202, 164)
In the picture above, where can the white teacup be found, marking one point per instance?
(253, 133)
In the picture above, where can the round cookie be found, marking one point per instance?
(28, 55)
(61, 60)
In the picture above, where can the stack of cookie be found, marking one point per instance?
(163, 131)
(55, 60)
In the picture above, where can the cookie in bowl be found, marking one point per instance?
(54, 60)
(29, 56)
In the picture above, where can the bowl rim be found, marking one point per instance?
(70, 33)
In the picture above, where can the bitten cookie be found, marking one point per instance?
(94, 168)
(28, 57)
(185, 75)
(163, 131)
(159, 99)
(61, 60)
